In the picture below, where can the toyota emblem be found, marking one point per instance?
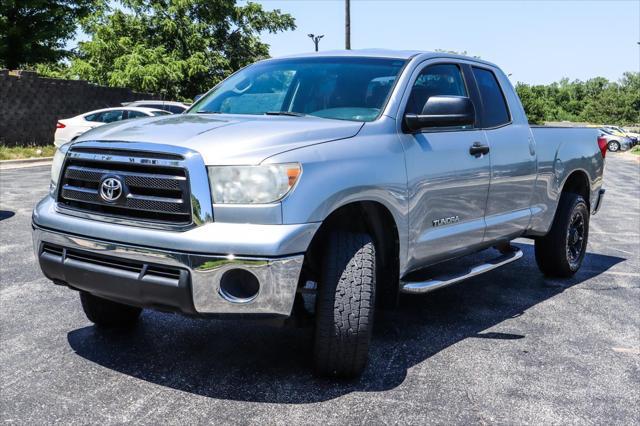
(111, 189)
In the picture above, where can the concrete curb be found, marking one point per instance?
(26, 162)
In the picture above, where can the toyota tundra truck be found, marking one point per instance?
(318, 186)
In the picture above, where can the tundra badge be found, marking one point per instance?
(446, 221)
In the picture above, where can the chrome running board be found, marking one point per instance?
(418, 287)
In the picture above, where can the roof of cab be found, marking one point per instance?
(384, 53)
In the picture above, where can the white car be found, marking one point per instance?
(70, 128)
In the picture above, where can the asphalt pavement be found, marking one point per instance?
(508, 347)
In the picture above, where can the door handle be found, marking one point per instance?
(478, 149)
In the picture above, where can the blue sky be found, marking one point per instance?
(535, 41)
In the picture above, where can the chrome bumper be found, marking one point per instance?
(278, 277)
(219, 238)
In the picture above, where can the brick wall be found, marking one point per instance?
(31, 105)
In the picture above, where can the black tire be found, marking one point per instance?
(613, 146)
(345, 305)
(105, 313)
(561, 252)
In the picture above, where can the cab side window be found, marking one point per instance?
(494, 104)
(435, 80)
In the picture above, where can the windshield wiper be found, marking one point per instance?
(208, 112)
(288, 113)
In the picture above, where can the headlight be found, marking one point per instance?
(252, 184)
(56, 167)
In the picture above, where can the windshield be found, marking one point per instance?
(344, 88)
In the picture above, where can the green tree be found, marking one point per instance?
(532, 102)
(596, 100)
(183, 47)
(35, 31)
(617, 103)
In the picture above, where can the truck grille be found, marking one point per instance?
(122, 184)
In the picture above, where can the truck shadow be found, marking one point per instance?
(6, 214)
(244, 361)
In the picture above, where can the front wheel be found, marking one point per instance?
(561, 252)
(614, 146)
(345, 305)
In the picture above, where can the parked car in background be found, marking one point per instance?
(615, 142)
(171, 106)
(70, 128)
(635, 137)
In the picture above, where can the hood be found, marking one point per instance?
(228, 139)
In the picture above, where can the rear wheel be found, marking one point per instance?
(613, 146)
(105, 313)
(561, 252)
(345, 305)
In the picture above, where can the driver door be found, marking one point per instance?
(447, 185)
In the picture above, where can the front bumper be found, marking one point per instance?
(95, 255)
(163, 279)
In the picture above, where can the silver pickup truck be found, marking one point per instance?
(319, 187)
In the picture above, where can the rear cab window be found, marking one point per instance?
(494, 103)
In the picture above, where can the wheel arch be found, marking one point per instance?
(378, 221)
(577, 182)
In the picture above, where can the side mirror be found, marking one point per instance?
(442, 111)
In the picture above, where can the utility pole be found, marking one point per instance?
(316, 39)
(347, 24)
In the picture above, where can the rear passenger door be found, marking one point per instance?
(512, 156)
(447, 185)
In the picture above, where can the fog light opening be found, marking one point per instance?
(239, 286)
